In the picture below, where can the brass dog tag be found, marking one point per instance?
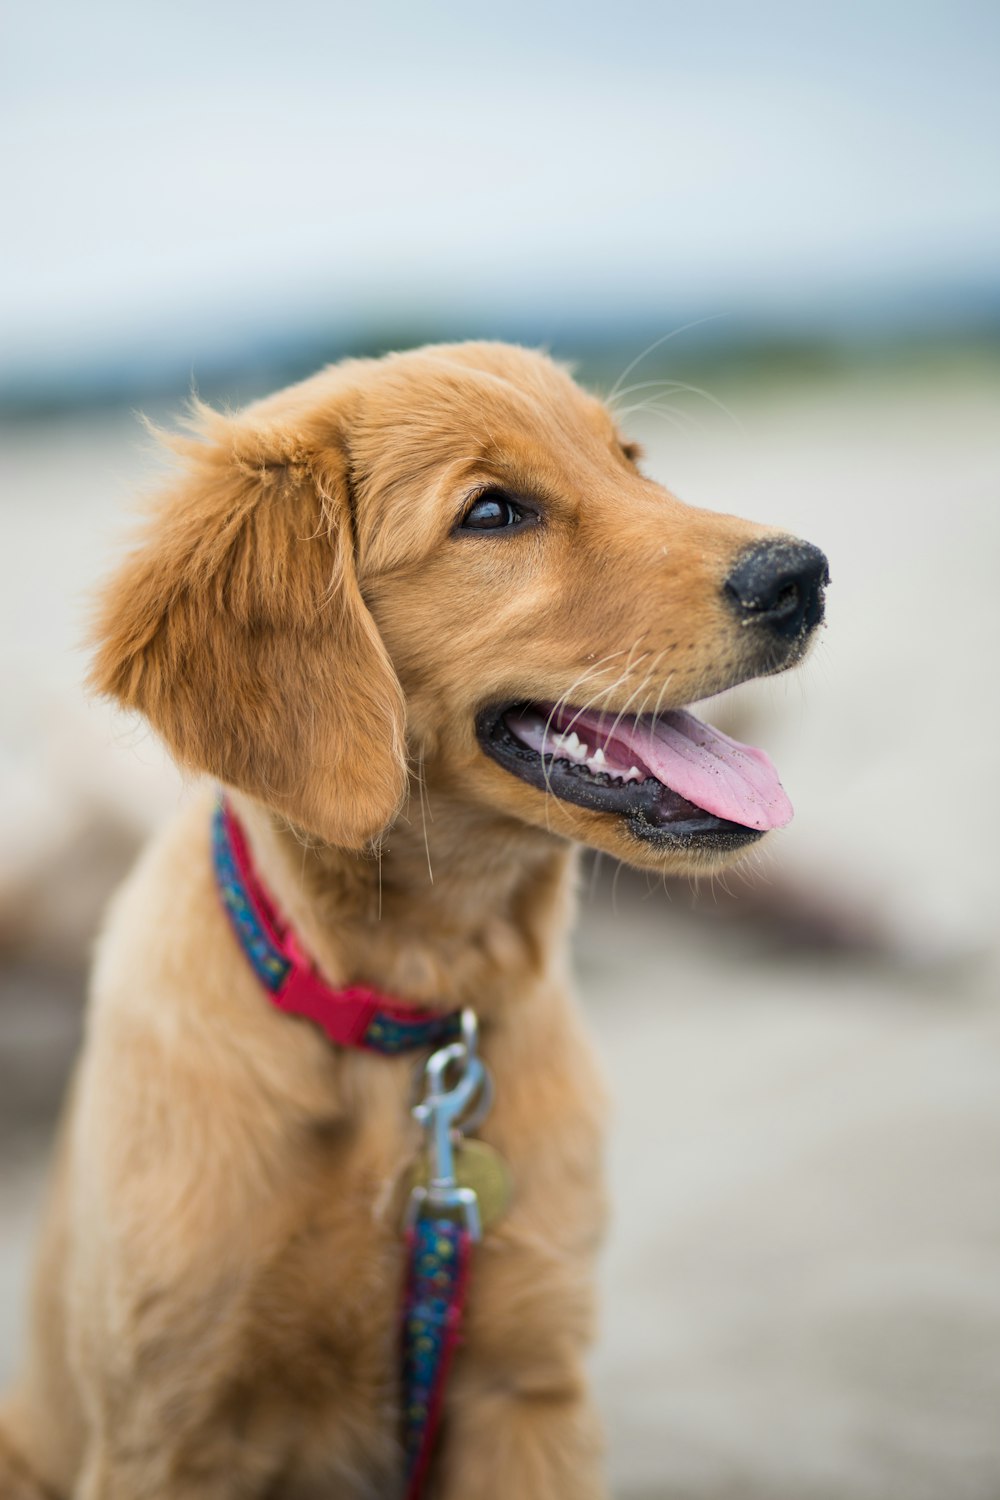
(479, 1167)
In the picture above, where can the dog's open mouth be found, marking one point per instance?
(675, 779)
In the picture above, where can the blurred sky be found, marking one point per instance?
(174, 171)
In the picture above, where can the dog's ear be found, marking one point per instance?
(238, 629)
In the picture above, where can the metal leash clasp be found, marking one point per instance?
(445, 1112)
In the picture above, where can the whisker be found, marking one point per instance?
(666, 384)
(614, 889)
(658, 343)
(659, 698)
(669, 411)
(671, 416)
(594, 868)
(560, 703)
(423, 815)
(697, 390)
(679, 386)
(628, 700)
(594, 703)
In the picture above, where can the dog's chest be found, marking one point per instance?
(328, 1291)
(323, 1333)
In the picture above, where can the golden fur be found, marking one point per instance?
(218, 1283)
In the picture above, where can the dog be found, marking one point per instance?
(430, 626)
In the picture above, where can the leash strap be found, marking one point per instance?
(354, 1016)
(438, 1255)
(443, 1222)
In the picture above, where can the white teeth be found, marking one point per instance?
(570, 745)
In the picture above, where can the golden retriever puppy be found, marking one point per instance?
(429, 625)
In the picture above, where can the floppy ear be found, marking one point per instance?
(239, 630)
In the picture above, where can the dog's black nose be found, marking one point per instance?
(779, 584)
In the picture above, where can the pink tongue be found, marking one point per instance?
(733, 781)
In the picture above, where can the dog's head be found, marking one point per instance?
(448, 560)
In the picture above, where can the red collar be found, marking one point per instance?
(355, 1016)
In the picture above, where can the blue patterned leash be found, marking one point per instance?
(443, 1222)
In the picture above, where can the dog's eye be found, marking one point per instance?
(495, 510)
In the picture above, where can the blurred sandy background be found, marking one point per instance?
(802, 1289)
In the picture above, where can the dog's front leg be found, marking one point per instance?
(124, 1471)
(543, 1444)
(148, 1444)
(518, 1415)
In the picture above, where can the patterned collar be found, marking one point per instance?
(351, 1017)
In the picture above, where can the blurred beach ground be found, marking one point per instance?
(801, 1295)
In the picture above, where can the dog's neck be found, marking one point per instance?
(462, 914)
